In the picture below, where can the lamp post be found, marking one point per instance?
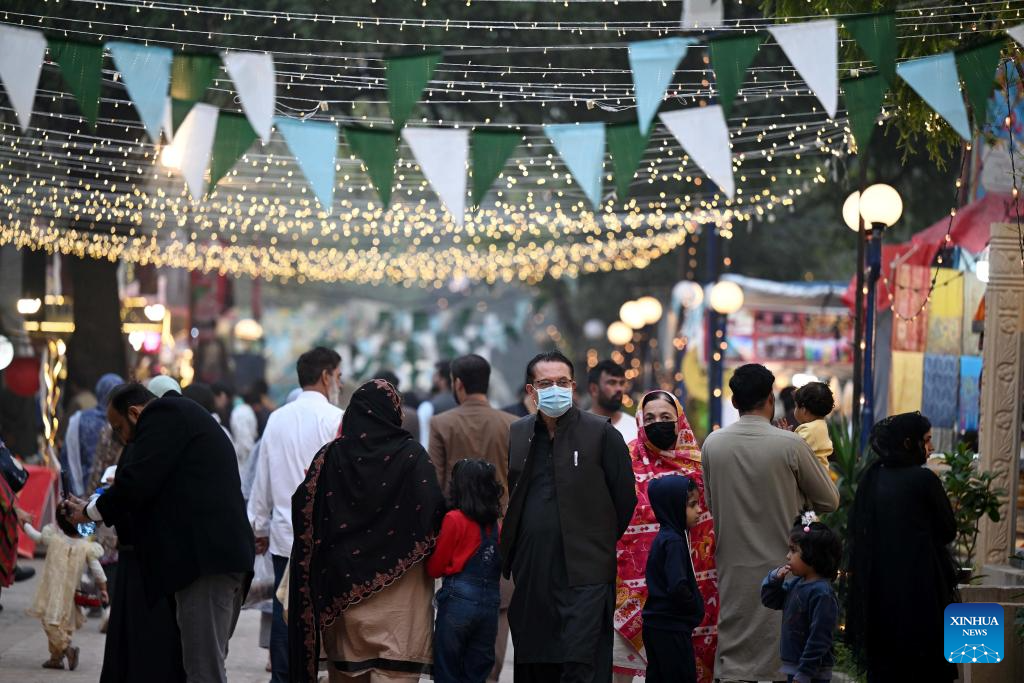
(877, 208)
(686, 294)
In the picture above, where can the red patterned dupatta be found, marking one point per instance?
(649, 463)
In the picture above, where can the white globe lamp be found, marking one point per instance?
(726, 297)
(851, 212)
(632, 313)
(619, 333)
(651, 309)
(593, 329)
(881, 204)
(688, 294)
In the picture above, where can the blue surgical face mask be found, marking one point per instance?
(554, 401)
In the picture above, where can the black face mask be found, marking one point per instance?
(662, 434)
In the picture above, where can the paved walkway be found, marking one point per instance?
(23, 645)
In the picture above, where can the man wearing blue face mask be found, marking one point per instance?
(572, 497)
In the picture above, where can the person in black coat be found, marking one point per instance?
(182, 491)
(674, 604)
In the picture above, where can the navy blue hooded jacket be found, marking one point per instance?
(674, 602)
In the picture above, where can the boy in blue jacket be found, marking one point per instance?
(674, 604)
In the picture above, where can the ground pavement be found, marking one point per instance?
(23, 645)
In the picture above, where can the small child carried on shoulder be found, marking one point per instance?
(815, 402)
(808, 603)
(67, 556)
(466, 555)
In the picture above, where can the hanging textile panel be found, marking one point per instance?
(941, 389)
(910, 319)
(906, 382)
(970, 393)
(946, 312)
(974, 291)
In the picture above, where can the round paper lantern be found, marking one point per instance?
(22, 376)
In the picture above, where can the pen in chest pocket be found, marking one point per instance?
(575, 458)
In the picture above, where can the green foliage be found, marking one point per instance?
(915, 124)
(846, 663)
(972, 497)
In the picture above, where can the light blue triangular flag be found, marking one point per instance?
(146, 72)
(936, 80)
(581, 146)
(314, 144)
(653, 62)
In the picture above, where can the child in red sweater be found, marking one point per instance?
(466, 555)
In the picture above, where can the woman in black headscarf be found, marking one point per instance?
(365, 517)
(901, 573)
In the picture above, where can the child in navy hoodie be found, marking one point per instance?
(674, 604)
(809, 606)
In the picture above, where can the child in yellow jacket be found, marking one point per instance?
(814, 402)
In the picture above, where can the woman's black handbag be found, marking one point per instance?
(11, 469)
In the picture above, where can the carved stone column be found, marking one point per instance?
(1001, 388)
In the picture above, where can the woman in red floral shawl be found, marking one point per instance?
(665, 446)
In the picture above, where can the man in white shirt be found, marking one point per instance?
(294, 434)
(607, 384)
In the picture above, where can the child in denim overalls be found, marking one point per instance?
(466, 555)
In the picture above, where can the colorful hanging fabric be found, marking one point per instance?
(974, 290)
(407, 77)
(730, 58)
(906, 382)
(863, 97)
(256, 84)
(234, 136)
(876, 35)
(377, 149)
(910, 334)
(945, 312)
(702, 13)
(490, 150)
(940, 390)
(626, 145)
(442, 154)
(970, 393)
(315, 146)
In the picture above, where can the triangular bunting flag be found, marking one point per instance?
(407, 76)
(977, 67)
(863, 97)
(730, 58)
(442, 153)
(315, 146)
(81, 65)
(490, 151)
(21, 60)
(813, 49)
(626, 144)
(935, 80)
(234, 137)
(146, 73)
(179, 110)
(876, 35)
(193, 142)
(377, 149)
(581, 146)
(1017, 33)
(702, 13)
(192, 74)
(653, 62)
(704, 134)
(253, 75)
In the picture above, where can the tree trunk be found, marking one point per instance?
(97, 345)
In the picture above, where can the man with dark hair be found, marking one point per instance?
(441, 399)
(606, 383)
(223, 400)
(295, 433)
(573, 495)
(410, 420)
(249, 419)
(473, 429)
(788, 419)
(757, 477)
(177, 483)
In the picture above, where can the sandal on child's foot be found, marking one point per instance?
(54, 663)
(72, 654)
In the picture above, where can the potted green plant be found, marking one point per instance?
(973, 496)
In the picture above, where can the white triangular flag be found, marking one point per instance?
(813, 48)
(253, 75)
(193, 143)
(703, 13)
(704, 134)
(1017, 33)
(167, 126)
(442, 153)
(21, 60)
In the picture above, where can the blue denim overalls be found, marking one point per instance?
(467, 616)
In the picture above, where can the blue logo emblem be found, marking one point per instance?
(973, 633)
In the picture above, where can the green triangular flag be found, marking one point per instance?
(863, 97)
(730, 58)
(876, 35)
(191, 75)
(179, 110)
(81, 64)
(626, 144)
(233, 137)
(490, 150)
(977, 67)
(377, 149)
(407, 76)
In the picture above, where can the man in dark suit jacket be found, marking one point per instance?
(180, 484)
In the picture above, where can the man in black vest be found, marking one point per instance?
(178, 480)
(573, 495)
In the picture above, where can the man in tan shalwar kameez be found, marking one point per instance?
(757, 479)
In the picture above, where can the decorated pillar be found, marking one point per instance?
(1002, 388)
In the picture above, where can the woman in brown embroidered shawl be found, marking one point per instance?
(366, 515)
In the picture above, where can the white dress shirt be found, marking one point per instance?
(293, 435)
(245, 430)
(626, 424)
